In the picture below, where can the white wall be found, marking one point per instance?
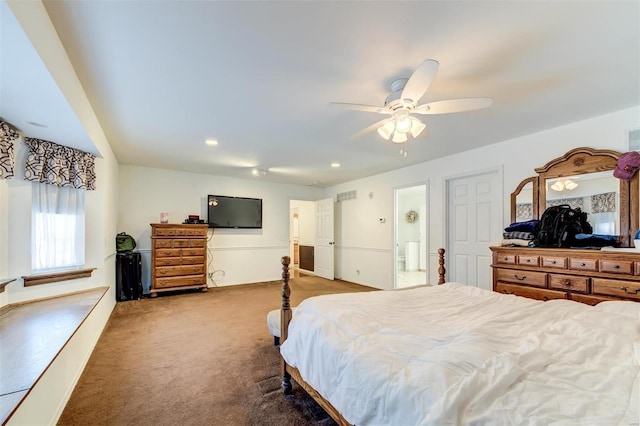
(235, 256)
(307, 222)
(4, 237)
(364, 245)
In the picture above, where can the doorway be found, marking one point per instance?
(410, 236)
(474, 218)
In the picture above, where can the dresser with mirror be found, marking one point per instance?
(583, 177)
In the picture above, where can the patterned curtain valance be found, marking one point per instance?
(574, 203)
(48, 162)
(7, 160)
(524, 212)
(603, 203)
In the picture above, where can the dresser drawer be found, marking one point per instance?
(179, 281)
(162, 243)
(528, 260)
(584, 264)
(537, 279)
(531, 293)
(168, 253)
(192, 260)
(507, 259)
(168, 261)
(628, 289)
(170, 271)
(617, 266)
(192, 252)
(164, 232)
(177, 242)
(198, 242)
(569, 282)
(637, 268)
(196, 232)
(589, 300)
(554, 262)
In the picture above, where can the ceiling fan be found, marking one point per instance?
(403, 103)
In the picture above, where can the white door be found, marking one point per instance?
(323, 251)
(474, 212)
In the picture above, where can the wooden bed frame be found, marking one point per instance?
(289, 372)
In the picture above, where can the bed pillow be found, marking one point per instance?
(626, 308)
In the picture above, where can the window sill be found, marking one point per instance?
(53, 277)
(4, 282)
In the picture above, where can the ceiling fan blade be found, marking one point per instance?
(453, 105)
(360, 107)
(420, 80)
(370, 129)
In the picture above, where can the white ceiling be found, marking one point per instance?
(163, 76)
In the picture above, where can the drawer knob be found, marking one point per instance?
(636, 291)
(528, 260)
(616, 266)
(568, 283)
(553, 262)
(583, 264)
(524, 277)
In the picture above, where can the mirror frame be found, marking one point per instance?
(580, 161)
(534, 199)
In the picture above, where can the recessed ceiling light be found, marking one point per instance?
(259, 172)
(33, 123)
(335, 165)
(211, 142)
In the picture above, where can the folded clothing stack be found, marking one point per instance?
(520, 233)
(596, 241)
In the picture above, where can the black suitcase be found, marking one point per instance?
(128, 276)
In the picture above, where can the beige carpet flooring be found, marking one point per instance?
(195, 358)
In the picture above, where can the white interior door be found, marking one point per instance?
(324, 247)
(475, 219)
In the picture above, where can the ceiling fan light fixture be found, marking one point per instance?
(403, 123)
(558, 186)
(387, 130)
(417, 127)
(399, 137)
(569, 184)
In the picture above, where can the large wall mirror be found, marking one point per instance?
(582, 178)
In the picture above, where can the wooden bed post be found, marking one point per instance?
(285, 319)
(441, 270)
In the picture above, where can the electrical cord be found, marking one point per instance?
(216, 273)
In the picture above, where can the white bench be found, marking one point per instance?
(273, 322)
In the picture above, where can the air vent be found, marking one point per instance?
(350, 195)
(634, 140)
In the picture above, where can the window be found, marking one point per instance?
(57, 228)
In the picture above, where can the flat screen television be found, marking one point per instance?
(234, 212)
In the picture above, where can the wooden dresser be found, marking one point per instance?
(178, 257)
(587, 276)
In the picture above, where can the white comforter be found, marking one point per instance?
(454, 354)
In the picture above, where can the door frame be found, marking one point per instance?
(446, 231)
(394, 258)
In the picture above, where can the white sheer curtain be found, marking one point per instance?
(57, 235)
(604, 223)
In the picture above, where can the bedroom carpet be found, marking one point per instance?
(195, 359)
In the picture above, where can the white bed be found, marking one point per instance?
(454, 354)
